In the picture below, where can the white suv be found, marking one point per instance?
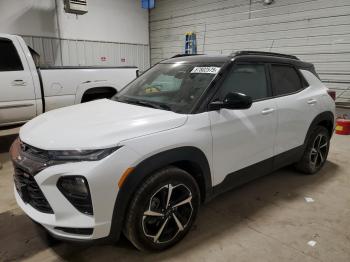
(186, 130)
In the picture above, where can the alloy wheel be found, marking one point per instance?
(319, 151)
(168, 213)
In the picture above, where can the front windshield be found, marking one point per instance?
(176, 87)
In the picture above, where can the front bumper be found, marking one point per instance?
(102, 177)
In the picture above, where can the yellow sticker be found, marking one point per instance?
(339, 128)
(151, 89)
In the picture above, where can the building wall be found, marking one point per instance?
(111, 33)
(315, 30)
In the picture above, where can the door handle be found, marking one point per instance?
(267, 111)
(312, 101)
(19, 82)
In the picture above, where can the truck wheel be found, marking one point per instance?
(162, 210)
(316, 151)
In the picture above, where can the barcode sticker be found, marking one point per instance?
(205, 70)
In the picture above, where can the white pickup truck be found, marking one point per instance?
(27, 90)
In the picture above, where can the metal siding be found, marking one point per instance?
(65, 53)
(317, 31)
(56, 46)
(81, 53)
(88, 53)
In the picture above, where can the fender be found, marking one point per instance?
(324, 116)
(145, 169)
(83, 87)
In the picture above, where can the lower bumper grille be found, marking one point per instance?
(30, 192)
(77, 231)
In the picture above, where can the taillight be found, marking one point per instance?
(332, 94)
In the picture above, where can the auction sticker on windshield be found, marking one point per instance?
(205, 70)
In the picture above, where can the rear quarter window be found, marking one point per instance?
(285, 80)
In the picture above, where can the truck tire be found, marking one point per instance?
(163, 210)
(316, 151)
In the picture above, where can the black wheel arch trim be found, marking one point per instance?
(324, 116)
(146, 168)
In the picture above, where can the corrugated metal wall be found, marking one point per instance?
(70, 52)
(315, 30)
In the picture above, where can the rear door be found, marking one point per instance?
(242, 138)
(17, 96)
(297, 106)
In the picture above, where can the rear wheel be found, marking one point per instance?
(162, 210)
(316, 151)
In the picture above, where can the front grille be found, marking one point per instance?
(34, 153)
(30, 192)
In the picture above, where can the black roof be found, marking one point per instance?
(198, 59)
(261, 53)
(240, 56)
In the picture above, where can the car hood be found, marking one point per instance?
(98, 124)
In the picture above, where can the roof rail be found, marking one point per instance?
(247, 52)
(182, 55)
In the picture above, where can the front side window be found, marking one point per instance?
(176, 86)
(248, 79)
(285, 80)
(9, 59)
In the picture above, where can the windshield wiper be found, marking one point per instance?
(148, 104)
(154, 105)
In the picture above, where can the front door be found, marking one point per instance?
(242, 138)
(17, 96)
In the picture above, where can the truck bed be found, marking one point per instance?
(62, 85)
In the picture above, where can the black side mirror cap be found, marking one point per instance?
(232, 101)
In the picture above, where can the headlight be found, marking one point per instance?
(81, 155)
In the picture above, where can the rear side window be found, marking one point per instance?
(248, 79)
(9, 59)
(285, 80)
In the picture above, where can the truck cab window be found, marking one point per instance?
(9, 58)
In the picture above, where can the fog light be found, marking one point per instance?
(76, 190)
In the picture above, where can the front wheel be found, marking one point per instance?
(162, 210)
(316, 151)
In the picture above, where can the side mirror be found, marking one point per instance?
(232, 101)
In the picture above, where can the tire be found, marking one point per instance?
(316, 151)
(150, 225)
